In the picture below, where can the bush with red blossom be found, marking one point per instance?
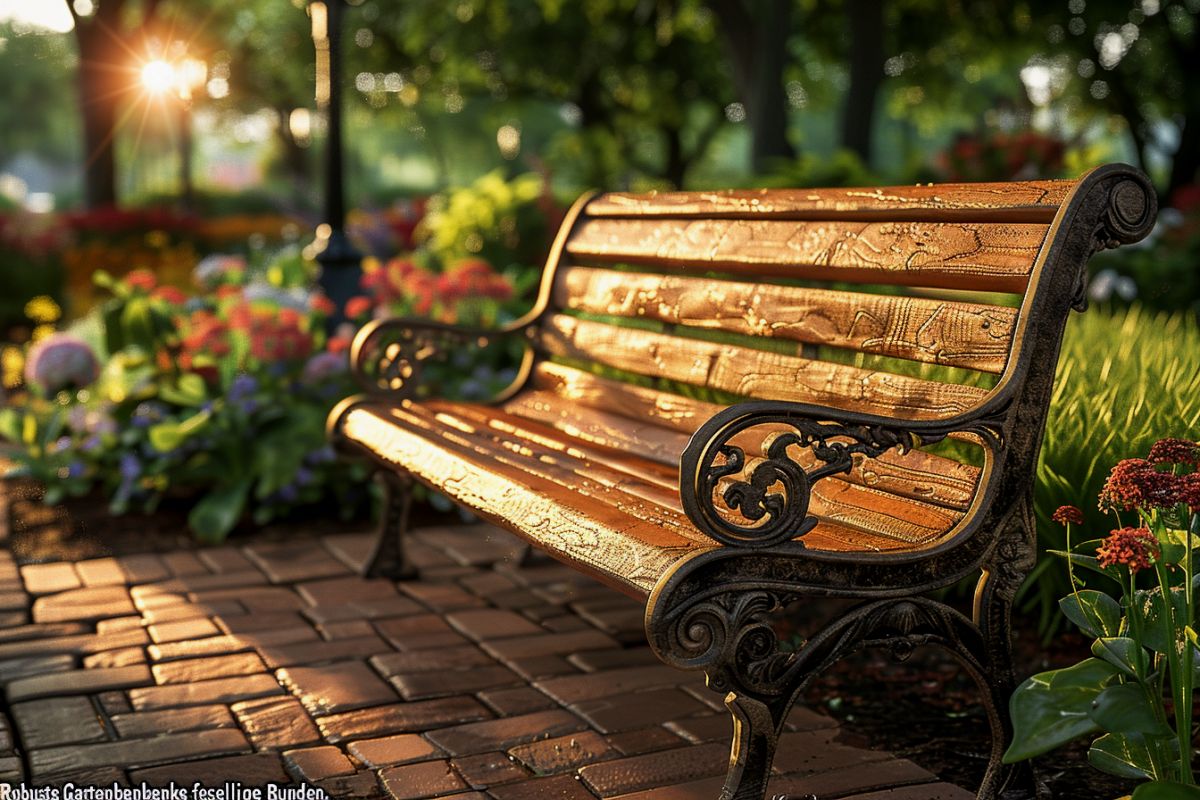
(1142, 677)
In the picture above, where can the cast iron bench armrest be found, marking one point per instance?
(387, 354)
(775, 517)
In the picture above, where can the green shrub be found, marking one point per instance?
(1125, 379)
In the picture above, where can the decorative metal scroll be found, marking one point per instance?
(390, 356)
(729, 635)
(775, 515)
(770, 506)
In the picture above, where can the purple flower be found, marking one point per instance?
(242, 387)
(62, 444)
(324, 366)
(91, 444)
(148, 413)
(61, 361)
(75, 469)
(130, 466)
(304, 476)
(323, 455)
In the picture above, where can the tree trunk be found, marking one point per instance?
(100, 84)
(1185, 168)
(867, 56)
(756, 37)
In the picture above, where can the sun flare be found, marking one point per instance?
(158, 76)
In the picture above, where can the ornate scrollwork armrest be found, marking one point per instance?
(388, 355)
(774, 516)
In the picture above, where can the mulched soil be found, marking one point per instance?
(925, 708)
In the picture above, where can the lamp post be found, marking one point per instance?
(341, 263)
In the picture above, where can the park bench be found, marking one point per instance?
(731, 401)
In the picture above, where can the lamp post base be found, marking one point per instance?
(341, 273)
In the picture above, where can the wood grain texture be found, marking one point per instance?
(657, 425)
(755, 373)
(650, 529)
(1019, 201)
(622, 550)
(955, 334)
(979, 256)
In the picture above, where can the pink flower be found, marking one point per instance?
(61, 361)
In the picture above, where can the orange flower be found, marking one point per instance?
(141, 279)
(1175, 451)
(358, 306)
(1135, 548)
(321, 304)
(169, 294)
(1067, 515)
(1134, 482)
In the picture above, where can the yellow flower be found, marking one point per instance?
(12, 362)
(43, 309)
(41, 332)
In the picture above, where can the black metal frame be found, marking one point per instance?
(711, 612)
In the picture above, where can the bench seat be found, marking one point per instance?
(532, 467)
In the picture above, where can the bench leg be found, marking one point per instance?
(992, 613)
(756, 729)
(387, 558)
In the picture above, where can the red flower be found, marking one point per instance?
(1068, 515)
(1130, 547)
(141, 279)
(1135, 483)
(1175, 451)
(338, 344)
(169, 294)
(358, 306)
(322, 304)
(1189, 491)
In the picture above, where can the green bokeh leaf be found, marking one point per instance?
(214, 516)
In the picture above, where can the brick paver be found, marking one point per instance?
(485, 679)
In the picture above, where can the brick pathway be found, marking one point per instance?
(275, 662)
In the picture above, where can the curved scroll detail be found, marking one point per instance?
(729, 635)
(775, 516)
(388, 356)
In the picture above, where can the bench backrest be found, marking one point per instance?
(913, 303)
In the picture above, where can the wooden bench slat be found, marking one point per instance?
(918, 475)
(1024, 201)
(885, 520)
(621, 550)
(755, 373)
(950, 255)
(933, 478)
(944, 332)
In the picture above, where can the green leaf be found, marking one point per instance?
(1152, 609)
(1120, 651)
(1124, 708)
(188, 390)
(166, 436)
(1166, 790)
(1078, 555)
(1052, 708)
(214, 516)
(1123, 755)
(1174, 544)
(1094, 612)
